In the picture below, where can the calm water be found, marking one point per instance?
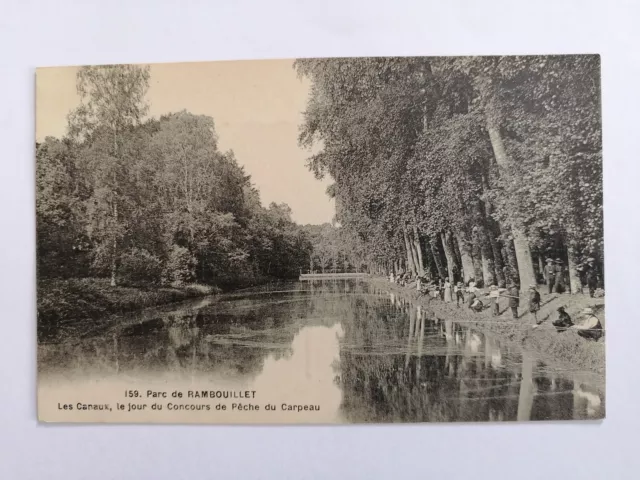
(368, 356)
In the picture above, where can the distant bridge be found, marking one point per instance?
(330, 276)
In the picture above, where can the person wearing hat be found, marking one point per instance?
(534, 302)
(563, 321)
(447, 287)
(514, 299)
(473, 293)
(493, 296)
(590, 327)
(441, 288)
(477, 305)
(459, 291)
(559, 276)
(550, 274)
(591, 275)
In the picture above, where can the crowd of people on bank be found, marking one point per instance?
(477, 299)
(555, 276)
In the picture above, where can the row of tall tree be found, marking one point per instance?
(334, 251)
(152, 200)
(467, 167)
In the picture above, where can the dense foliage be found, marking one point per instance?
(155, 201)
(474, 167)
(334, 250)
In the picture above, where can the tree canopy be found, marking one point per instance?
(484, 164)
(153, 200)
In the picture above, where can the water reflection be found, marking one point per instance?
(362, 353)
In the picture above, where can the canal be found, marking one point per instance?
(356, 350)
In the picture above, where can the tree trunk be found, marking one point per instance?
(487, 276)
(114, 265)
(451, 245)
(574, 277)
(512, 263)
(448, 253)
(414, 253)
(468, 271)
(435, 252)
(488, 265)
(407, 246)
(523, 256)
(497, 257)
(492, 230)
(418, 249)
(498, 262)
(427, 256)
(114, 255)
(541, 266)
(523, 252)
(429, 267)
(477, 261)
(456, 253)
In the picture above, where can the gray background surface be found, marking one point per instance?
(66, 32)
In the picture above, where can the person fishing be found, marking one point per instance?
(563, 322)
(494, 294)
(590, 327)
(550, 274)
(473, 293)
(433, 289)
(459, 291)
(591, 276)
(559, 277)
(534, 302)
(514, 299)
(477, 305)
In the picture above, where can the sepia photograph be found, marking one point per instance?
(321, 241)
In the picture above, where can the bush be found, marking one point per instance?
(93, 300)
(140, 266)
(199, 289)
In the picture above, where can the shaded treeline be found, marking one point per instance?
(467, 167)
(152, 201)
(334, 251)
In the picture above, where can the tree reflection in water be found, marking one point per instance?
(392, 362)
(444, 373)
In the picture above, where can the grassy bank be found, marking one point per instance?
(566, 348)
(61, 301)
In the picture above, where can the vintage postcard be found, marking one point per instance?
(321, 241)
